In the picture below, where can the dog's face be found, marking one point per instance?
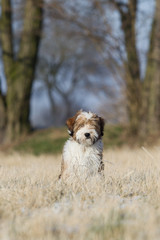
(85, 127)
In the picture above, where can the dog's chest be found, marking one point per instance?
(81, 158)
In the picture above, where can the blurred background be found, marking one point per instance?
(59, 56)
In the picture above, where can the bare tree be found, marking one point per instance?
(83, 38)
(143, 95)
(151, 104)
(19, 67)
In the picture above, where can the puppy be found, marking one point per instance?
(82, 153)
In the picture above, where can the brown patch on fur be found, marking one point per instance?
(101, 165)
(79, 123)
(102, 123)
(71, 121)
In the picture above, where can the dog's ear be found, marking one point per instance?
(102, 123)
(70, 123)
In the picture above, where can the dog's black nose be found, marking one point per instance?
(87, 135)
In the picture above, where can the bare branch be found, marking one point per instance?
(120, 6)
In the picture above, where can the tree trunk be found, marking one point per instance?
(132, 69)
(3, 117)
(151, 104)
(20, 69)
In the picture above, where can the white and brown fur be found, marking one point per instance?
(83, 151)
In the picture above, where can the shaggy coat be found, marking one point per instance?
(82, 153)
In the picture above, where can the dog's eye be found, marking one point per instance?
(82, 125)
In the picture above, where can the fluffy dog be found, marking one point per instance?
(82, 153)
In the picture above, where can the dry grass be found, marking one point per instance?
(125, 206)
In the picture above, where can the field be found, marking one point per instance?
(124, 206)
